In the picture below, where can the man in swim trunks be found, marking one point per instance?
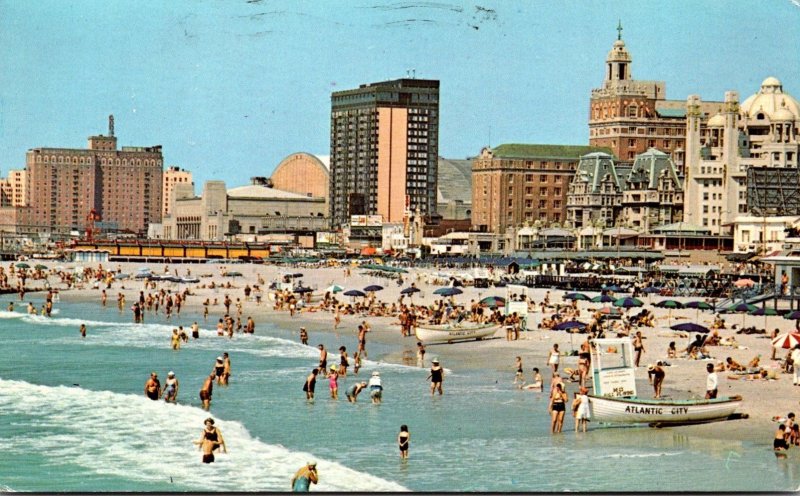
(311, 382)
(304, 477)
(779, 443)
(226, 371)
(323, 357)
(353, 391)
(206, 390)
(152, 388)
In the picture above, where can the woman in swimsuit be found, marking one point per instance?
(343, 362)
(557, 407)
(219, 370)
(210, 440)
(402, 441)
(333, 382)
(171, 388)
(437, 377)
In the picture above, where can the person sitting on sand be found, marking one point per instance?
(753, 364)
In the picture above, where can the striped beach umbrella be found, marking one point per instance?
(787, 341)
(603, 298)
(576, 296)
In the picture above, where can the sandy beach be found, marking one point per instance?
(685, 378)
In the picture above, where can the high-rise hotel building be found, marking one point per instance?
(384, 148)
(122, 186)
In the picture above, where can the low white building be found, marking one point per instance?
(453, 243)
(749, 233)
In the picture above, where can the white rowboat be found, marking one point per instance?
(640, 410)
(448, 333)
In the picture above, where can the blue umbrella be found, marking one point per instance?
(668, 304)
(302, 290)
(354, 292)
(571, 324)
(613, 288)
(448, 291)
(793, 315)
(373, 287)
(690, 327)
(603, 298)
(651, 289)
(410, 290)
(700, 305)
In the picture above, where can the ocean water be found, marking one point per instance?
(74, 419)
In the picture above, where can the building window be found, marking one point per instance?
(631, 142)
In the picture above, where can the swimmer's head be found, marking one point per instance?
(209, 421)
(376, 373)
(171, 374)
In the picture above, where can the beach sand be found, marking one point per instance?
(684, 378)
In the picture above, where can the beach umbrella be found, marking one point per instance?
(143, 269)
(234, 274)
(576, 296)
(742, 308)
(744, 283)
(603, 298)
(447, 291)
(493, 302)
(409, 291)
(121, 276)
(669, 304)
(568, 325)
(40, 267)
(23, 265)
(690, 327)
(613, 288)
(302, 290)
(296, 274)
(335, 288)
(764, 311)
(373, 287)
(354, 292)
(628, 302)
(610, 311)
(788, 341)
(698, 305)
(651, 290)
(792, 315)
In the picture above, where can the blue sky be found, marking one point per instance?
(230, 87)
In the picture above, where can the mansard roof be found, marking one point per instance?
(649, 166)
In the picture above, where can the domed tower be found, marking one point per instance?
(618, 60)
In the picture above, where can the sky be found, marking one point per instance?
(229, 88)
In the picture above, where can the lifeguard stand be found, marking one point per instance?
(613, 372)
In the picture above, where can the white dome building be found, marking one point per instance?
(726, 181)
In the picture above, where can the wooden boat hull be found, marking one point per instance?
(637, 410)
(448, 333)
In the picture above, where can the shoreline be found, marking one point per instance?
(684, 378)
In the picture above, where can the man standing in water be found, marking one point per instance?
(323, 358)
(206, 390)
(311, 382)
(226, 372)
(152, 388)
(304, 477)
